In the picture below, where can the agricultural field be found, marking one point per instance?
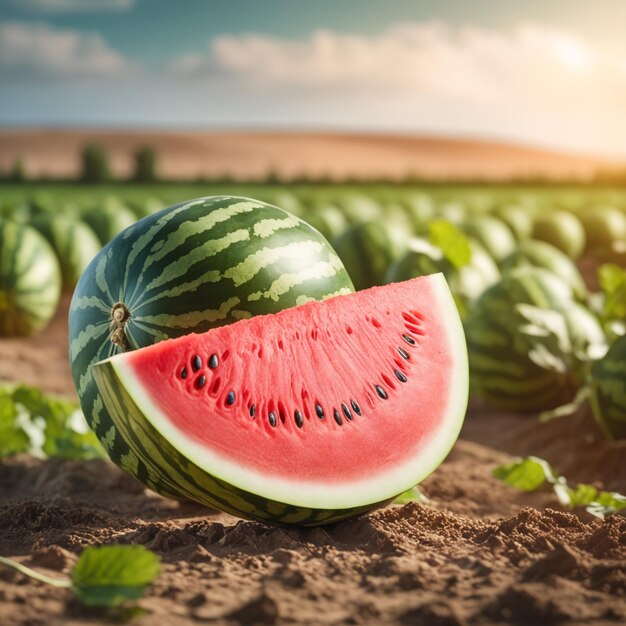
(522, 523)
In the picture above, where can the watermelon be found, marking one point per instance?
(328, 219)
(109, 219)
(541, 254)
(185, 269)
(605, 228)
(368, 249)
(306, 416)
(528, 341)
(518, 218)
(420, 210)
(30, 280)
(608, 390)
(493, 234)
(74, 243)
(466, 282)
(562, 229)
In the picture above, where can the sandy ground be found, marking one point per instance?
(250, 155)
(476, 553)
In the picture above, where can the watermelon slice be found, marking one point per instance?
(308, 415)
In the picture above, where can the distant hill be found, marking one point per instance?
(247, 155)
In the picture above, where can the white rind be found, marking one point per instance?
(339, 495)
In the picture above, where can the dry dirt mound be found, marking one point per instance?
(414, 564)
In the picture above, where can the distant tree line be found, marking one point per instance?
(95, 167)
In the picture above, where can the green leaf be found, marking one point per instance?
(612, 279)
(111, 575)
(451, 241)
(531, 473)
(526, 474)
(13, 438)
(31, 421)
(410, 495)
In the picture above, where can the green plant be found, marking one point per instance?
(33, 422)
(104, 576)
(532, 473)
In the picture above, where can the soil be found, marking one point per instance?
(189, 155)
(476, 552)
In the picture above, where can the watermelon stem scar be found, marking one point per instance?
(120, 316)
(305, 416)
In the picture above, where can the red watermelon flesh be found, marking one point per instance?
(328, 404)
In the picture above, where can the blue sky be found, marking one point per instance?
(547, 73)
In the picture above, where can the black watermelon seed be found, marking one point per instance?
(196, 364)
(400, 376)
(355, 407)
(183, 372)
(201, 381)
(320, 411)
(346, 412)
(272, 419)
(381, 392)
(230, 398)
(299, 419)
(213, 361)
(403, 353)
(252, 410)
(337, 417)
(409, 339)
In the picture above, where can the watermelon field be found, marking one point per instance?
(339, 378)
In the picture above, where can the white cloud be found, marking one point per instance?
(533, 82)
(69, 6)
(38, 51)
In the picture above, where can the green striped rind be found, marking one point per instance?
(30, 280)
(74, 243)
(502, 371)
(190, 268)
(168, 471)
(608, 390)
(534, 253)
(367, 250)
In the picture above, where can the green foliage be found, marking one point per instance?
(95, 167)
(612, 279)
(526, 474)
(532, 473)
(105, 576)
(452, 242)
(110, 575)
(145, 165)
(43, 425)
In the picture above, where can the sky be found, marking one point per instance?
(546, 73)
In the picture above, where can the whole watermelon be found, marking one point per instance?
(562, 229)
(518, 218)
(493, 234)
(185, 269)
(367, 250)
(528, 340)
(466, 282)
(608, 390)
(74, 243)
(605, 227)
(109, 218)
(30, 280)
(535, 253)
